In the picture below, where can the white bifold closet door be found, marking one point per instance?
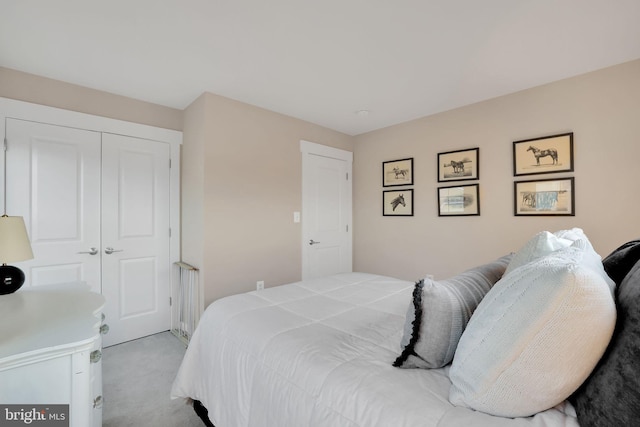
(96, 206)
(53, 181)
(136, 269)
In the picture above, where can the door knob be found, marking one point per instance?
(313, 242)
(93, 251)
(110, 250)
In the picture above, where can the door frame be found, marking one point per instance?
(10, 108)
(313, 149)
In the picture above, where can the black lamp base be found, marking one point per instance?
(11, 278)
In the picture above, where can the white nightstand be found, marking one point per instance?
(50, 350)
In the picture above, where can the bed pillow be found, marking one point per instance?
(591, 258)
(535, 337)
(611, 394)
(439, 312)
(543, 243)
(619, 262)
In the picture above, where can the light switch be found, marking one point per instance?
(296, 217)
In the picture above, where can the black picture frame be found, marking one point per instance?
(459, 165)
(459, 200)
(544, 197)
(397, 202)
(397, 172)
(547, 154)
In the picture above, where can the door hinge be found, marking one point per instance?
(170, 302)
(347, 228)
(347, 176)
(169, 231)
(5, 144)
(169, 163)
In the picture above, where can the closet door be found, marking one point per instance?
(53, 181)
(135, 237)
(96, 207)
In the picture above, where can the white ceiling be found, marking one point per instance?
(318, 60)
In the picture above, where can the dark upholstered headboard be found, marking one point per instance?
(611, 394)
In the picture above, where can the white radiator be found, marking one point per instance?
(185, 302)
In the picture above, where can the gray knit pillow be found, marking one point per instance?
(440, 311)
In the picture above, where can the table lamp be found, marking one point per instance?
(14, 246)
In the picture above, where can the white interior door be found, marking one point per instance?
(53, 181)
(135, 237)
(83, 192)
(326, 200)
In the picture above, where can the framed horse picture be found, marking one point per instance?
(544, 197)
(397, 203)
(460, 200)
(397, 172)
(459, 165)
(549, 154)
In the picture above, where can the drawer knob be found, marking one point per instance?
(95, 356)
(97, 402)
(104, 329)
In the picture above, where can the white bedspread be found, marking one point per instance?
(319, 353)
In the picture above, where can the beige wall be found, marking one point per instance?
(241, 176)
(194, 136)
(601, 108)
(251, 185)
(54, 93)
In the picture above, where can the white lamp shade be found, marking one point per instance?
(14, 241)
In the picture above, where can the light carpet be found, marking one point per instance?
(137, 377)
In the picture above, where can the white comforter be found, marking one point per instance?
(319, 353)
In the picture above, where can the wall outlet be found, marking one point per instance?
(259, 285)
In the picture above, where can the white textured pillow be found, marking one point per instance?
(545, 242)
(538, 246)
(591, 258)
(535, 337)
(439, 312)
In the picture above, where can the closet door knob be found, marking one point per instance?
(110, 250)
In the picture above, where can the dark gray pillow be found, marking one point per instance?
(619, 262)
(440, 311)
(611, 395)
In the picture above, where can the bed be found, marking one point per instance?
(322, 353)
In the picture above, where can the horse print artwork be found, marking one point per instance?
(458, 165)
(550, 152)
(397, 172)
(400, 173)
(397, 203)
(539, 200)
(545, 197)
(459, 200)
